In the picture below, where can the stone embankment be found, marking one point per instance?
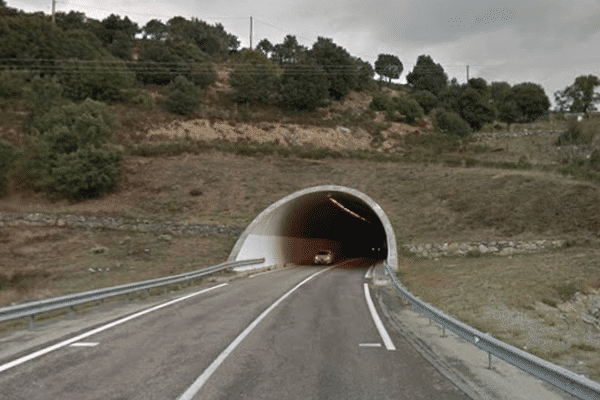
(473, 249)
(432, 250)
(117, 223)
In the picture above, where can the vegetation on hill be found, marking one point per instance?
(165, 70)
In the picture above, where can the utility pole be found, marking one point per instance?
(53, 8)
(467, 74)
(250, 33)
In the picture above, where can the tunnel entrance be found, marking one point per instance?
(336, 218)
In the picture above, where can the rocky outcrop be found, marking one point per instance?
(473, 249)
(117, 223)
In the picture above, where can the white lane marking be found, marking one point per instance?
(99, 329)
(382, 332)
(201, 380)
(369, 344)
(84, 344)
(369, 273)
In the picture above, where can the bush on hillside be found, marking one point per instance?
(380, 102)
(88, 172)
(426, 100)
(8, 155)
(68, 152)
(183, 97)
(404, 109)
(12, 84)
(68, 127)
(97, 80)
(255, 79)
(45, 93)
(304, 87)
(451, 123)
(578, 132)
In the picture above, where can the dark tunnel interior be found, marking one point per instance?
(349, 226)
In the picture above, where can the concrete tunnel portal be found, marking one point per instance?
(330, 217)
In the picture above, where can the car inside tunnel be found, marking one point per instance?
(333, 218)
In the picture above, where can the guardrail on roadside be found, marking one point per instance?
(69, 301)
(577, 385)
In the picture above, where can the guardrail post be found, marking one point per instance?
(489, 360)
(31, 322)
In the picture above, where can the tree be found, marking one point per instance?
(290, 51)
(72, 20)
(117, 35)
(304, 86)
(481, 86)
(265, 46)
(364, 74)
(530, 100)
(389, 66)
(427, 75)
(155, 29)
(580, 96)
(255, 79)
(474, 109)
(337, 64)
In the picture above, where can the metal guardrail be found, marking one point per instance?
(57, 303)
(570, 382)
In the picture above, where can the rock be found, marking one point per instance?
(165, 238)
(99, 250)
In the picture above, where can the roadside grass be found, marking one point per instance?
(506, 296)
(65, 263)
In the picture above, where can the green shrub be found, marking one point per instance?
(182, 96)
(98, 80)
(404, 109)
(68, 127)
(577, 133)
(426, 100)
(12, 84)
(451, 123)
(304, 87)
(380, 102)
(68, 152)
(8, 155)
(88, 172)
(46, 92)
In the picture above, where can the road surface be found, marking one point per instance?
(295, 333)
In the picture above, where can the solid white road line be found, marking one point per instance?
(369, 273)
(84, 344)
(201, 380)
(382, 332)
(99, 329)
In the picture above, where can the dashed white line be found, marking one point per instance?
(99, 329)
(84, 344)
(369, 345)
(201, 380)
(369, 273)
(382, 332)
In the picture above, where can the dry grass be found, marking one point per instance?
(507, 296)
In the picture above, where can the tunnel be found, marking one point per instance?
(336, 218)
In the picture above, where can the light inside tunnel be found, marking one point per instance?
(335, 218)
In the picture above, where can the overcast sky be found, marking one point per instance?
(542, 41)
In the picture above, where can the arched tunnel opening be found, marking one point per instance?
(336, 218)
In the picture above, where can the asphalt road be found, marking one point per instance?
(301, 333)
